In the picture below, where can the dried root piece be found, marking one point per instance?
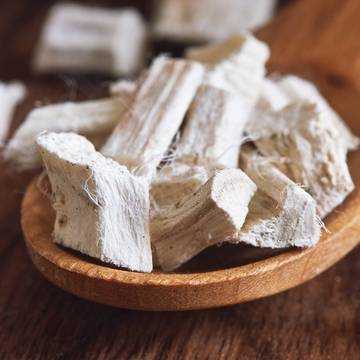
(213, 118)
(272, 97)
(10, 95)
(304, 145)
(123, 87)
(93, 119)
(90, 39)
(281, 214)
(101, 209)
(174, 182)
(206, 20)
(213, 129)
(157, 111)
(212, 215)
(276, 94)
(299, 89)
(218, 113)
(236, 65)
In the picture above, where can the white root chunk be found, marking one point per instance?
(272, 97)
(299, 89)
(281, 214)
(93, 119)
(206, 20)
(159, 105)
(101, 209)
(276, 94)
(122, 87)
(219, 112)
(213, 118)
(212, 215)
(213, 129)
(175, 182)
(304, 145)
(91, 39)
(236, 65)
(10, 96)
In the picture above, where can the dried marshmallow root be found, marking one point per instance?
(90, 39)
(236, 65)
(173, 183)
(93, 119)
(157, 111)
(272, 97)
(206, 20)
(213, 129)
(299, 89)
(123, 88)
(231, 88)
(212, 215)
(281, 214)
(276, 94)
(210, 139)
(101, 209)
(218, 113)
(304, 145)
(10, 95)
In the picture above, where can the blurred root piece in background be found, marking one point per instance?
(10, 95)
(78, 38)
(206, 20)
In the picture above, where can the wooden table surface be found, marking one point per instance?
(319, 320)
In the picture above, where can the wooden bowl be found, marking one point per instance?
(328, 55)
(192, 287)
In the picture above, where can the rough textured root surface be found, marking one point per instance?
(213, 129)
(212, 215)
(300, 89)
(123, 87)
(276, 94)
(281, 214)
(304, 145)
(101, 209)
(10, 95)
(115, 44)
(213, 118)
(175, 182)
(206, 20)
(272, 97)
(93, 119)
(158, 109)
(236, 65)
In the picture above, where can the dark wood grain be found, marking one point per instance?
(319, 320)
